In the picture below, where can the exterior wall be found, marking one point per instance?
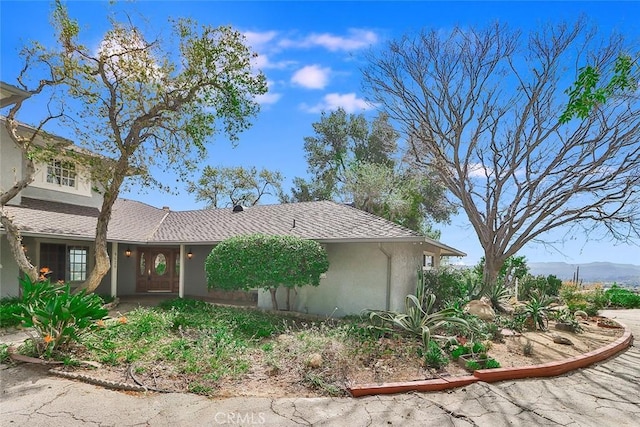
(357, 280)
(195, 278)
(10, 163)
(11, 168)
(8, 271)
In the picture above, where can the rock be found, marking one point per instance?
(561, 340)
(582, 314)
(482, 309)
(315, 361)
(505, 307)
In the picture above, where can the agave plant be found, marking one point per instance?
(418, 318)
(537, 309)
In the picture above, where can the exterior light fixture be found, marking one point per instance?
(189, 254)
(127, 253)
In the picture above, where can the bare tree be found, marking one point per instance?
(481, 107)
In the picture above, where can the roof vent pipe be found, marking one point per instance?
(238, 208)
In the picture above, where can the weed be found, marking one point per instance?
(472, 365)
(317, 382)
(434, 357)
(198, 388)
(4, 353)
(492, 364)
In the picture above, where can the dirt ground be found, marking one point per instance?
(290, 375)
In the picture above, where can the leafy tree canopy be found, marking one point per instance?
(224, 186)
(357, 162)
(266, 262)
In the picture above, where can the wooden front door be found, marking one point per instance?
(158, 269)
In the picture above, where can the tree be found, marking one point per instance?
(480, 107)
(585, 94)
(355, 161)
(235, 185)
(266, 262)
(339, 141)
(144, 103)
(34, 143)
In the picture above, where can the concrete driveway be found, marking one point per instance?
(607, 394)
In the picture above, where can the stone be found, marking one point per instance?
(582, 314)
(561, 340)
(315, 361)
(482, 309)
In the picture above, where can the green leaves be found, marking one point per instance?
(418, 318)
(57, 316)
(585, 94)
(261, 261)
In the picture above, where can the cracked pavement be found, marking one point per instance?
(603, 394)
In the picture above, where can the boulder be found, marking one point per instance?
(315, 361)
(482, 309)
(561, 340)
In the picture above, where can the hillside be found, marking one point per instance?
(604, 272)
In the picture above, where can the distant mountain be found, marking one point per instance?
(603, 272)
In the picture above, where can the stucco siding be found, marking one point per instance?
(195, 279)
(10, 164)
(8, 271)
(356, 280)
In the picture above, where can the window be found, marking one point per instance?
(61, 173)
(77, 263)
(65, 263)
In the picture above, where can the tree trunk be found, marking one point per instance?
(274, 300)
(288, 299)
(102, 261)
(492, 265)
(15, 244)
(13, 233)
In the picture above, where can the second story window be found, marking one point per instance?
(61, 173)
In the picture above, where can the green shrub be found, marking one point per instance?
(419, 317)
(448, 285)
(57, 315)
(549, 285)
(620, 297)
(492, 364)
(266, 262)
(9, 310)
(435, 357)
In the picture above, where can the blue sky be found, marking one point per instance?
(311, 53)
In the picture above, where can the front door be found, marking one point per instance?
(158, 269)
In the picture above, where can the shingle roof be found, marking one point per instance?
(323, 220)
(136, 222)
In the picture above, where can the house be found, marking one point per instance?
(373, 262)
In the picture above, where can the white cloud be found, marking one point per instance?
(311, 77)
(268, 98)
(477, 170)
(332, 101)
(356, 39)
(262, 62)
(271, 97)
(257, 40)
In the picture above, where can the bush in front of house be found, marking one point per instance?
(9, 310)
(449, 285)
(56, 315)
(266, 262)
